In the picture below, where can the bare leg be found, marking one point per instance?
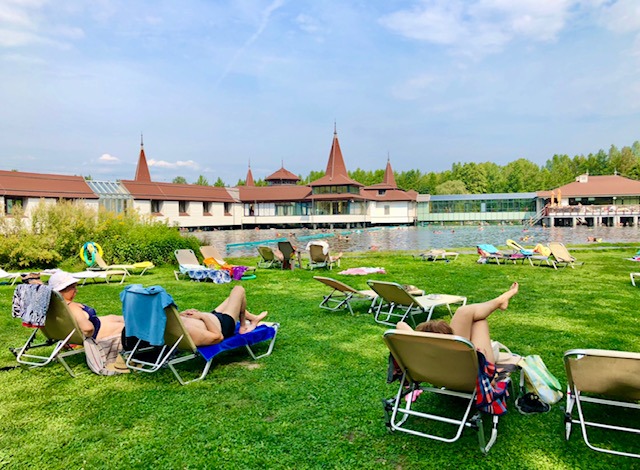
(235, 305)
(470, 321)
(110, 325)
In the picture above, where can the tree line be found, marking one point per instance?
(520, 175)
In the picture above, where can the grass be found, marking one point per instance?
(316, 402)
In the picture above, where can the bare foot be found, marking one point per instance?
(504, 298)
(252, 324)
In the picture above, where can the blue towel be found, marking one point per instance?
(260, 334)
(143, 312)
(492, 250)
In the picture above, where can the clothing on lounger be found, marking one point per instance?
(227, 323)
(30, 303)
(143, 312)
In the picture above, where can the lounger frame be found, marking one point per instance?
(179, 347)
(449, 364)
(395, 302)
(60, 331)
(614, 376)
(342, 295)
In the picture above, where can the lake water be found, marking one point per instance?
(244, 242)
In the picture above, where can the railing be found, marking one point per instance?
(594, 211)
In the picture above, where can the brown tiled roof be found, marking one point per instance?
(274, 193)
(142, 170)
(249, 181)
(610, 185)
(282, 174)
(336, 172)
(389, 195)
(21, 184)
(176, 192)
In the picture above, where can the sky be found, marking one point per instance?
(216, 86)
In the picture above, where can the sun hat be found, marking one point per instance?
(60, 280)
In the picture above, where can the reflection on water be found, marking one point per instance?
(414, 238)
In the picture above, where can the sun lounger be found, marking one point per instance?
(438, 255)
(60, 331)
(190, 266)
(320, 257)
(530, 255)
(488, 252)
(290, 254)
(449, 365)
(268, 258)
(84, 276)
(633, 278)
(9, 277)
(395, 302)
(342, 295)
(179, 347)
(213, 259)
(142, 266)
(600, 377)
(561, 255)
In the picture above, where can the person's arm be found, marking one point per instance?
(212, 334)
(82, 319)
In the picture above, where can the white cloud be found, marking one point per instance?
(178, 164)
(622, 16)
(108, 158)
(481, 26)
(308, 24)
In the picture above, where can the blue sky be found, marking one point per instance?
(216, 84)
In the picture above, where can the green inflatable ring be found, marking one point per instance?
(248, 277)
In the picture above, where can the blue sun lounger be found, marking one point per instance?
(176, 345)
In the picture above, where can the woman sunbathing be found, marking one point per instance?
(88, 320)
(470, 322)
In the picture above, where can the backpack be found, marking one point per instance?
(539, 380)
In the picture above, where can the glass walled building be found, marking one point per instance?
(476, 208)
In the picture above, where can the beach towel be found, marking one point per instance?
(143, 312)
(362, 271)
(30, 303)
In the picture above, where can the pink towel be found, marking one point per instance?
(362, 271)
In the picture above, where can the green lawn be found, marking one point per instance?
(316, 401)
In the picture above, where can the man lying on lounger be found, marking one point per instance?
(211, 328)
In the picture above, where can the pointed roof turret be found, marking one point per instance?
(249, 181)
(336, 172)
(142, 171)
(389, 179)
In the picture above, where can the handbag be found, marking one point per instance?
(539, 380)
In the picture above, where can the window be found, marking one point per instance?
(206, 208)
(156, 207)
(227, 208)
(183, 207)
(382, 192)
(387, 209)
(13, 203)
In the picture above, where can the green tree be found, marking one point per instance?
(179, 180)
(202, 181)
(451, 187)
(522, 175)
(219, 183)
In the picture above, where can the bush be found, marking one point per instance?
(57, 232)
